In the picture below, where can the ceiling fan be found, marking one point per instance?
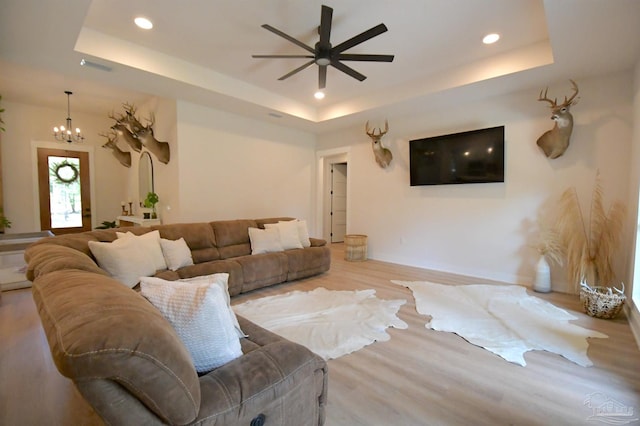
(324, 54)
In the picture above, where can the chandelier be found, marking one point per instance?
(65, 133)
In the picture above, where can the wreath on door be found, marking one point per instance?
(65, 172)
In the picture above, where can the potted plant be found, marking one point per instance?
(5, 223)
(1, 122)
(589, 244)
(150, 203)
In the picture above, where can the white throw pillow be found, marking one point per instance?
(289, 234)
(149, 242)
(176, 253)
(221, 280)
(123, 260)
(200, 317)
(303, 233)
(264, 240)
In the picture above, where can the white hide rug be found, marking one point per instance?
(502, 319)
(329, 323)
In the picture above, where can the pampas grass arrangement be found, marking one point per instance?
(590, 242)
(550, 245)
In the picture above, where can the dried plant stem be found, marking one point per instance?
(590, 246)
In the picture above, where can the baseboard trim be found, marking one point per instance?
(634, 321)
(14, 285)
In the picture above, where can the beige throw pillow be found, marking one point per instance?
(124, 260)
(176, 253)
(303, 233)
(264, 240)
(288, 232)
(149, 242)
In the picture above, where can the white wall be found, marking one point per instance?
(634, 252)
(165, 175)
(233, 167)
(485, 230)
(27, 123)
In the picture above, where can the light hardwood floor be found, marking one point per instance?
(418, 377)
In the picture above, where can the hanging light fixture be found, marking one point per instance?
(65, 133)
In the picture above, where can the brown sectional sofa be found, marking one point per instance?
(130, 365)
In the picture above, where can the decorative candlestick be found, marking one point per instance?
(130, 208)
(124, 210)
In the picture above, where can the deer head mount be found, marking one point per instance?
(555, 142)
(129, 128)
(382, 154)
(124, 157)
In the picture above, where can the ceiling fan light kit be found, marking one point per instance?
(324, 54)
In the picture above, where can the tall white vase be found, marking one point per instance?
(542, 282)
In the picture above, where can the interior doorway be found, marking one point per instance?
(64, 190)
(333, 190)
(338, 202)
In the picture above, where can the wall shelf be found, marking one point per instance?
(136, 221)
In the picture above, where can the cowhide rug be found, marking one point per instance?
(330, 323)
(502, 319)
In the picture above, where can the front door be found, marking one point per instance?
(64, 190)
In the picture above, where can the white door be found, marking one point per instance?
(338, 202)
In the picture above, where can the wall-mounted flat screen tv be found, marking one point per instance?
(476, 156)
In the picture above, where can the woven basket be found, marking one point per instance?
(602, 302)
(355, 247)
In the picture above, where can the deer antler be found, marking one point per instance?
(111, 136)
(372, 132)
(553, 103)
(129, 109)
(118, 119)
(568, 102)
(151, 120)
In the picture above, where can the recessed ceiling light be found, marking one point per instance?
(491, 38)
(143, 23)
(319, 95)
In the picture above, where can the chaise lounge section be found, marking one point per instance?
(128, 362)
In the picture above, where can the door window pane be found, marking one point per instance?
(64, 192)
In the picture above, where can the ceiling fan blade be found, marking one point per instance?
(282, 56)
(297, 70)
(322, 76)
(364, 57)
(325, 25)
(348, 70)
(360, 38)
(288, 37)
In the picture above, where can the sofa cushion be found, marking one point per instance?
(308, 261)
(45, 258)
(230, 266)
(282, 380)
(263, 269)
(198, 312)
(93, 326)
(232, 237)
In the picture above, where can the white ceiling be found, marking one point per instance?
(200, 51)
